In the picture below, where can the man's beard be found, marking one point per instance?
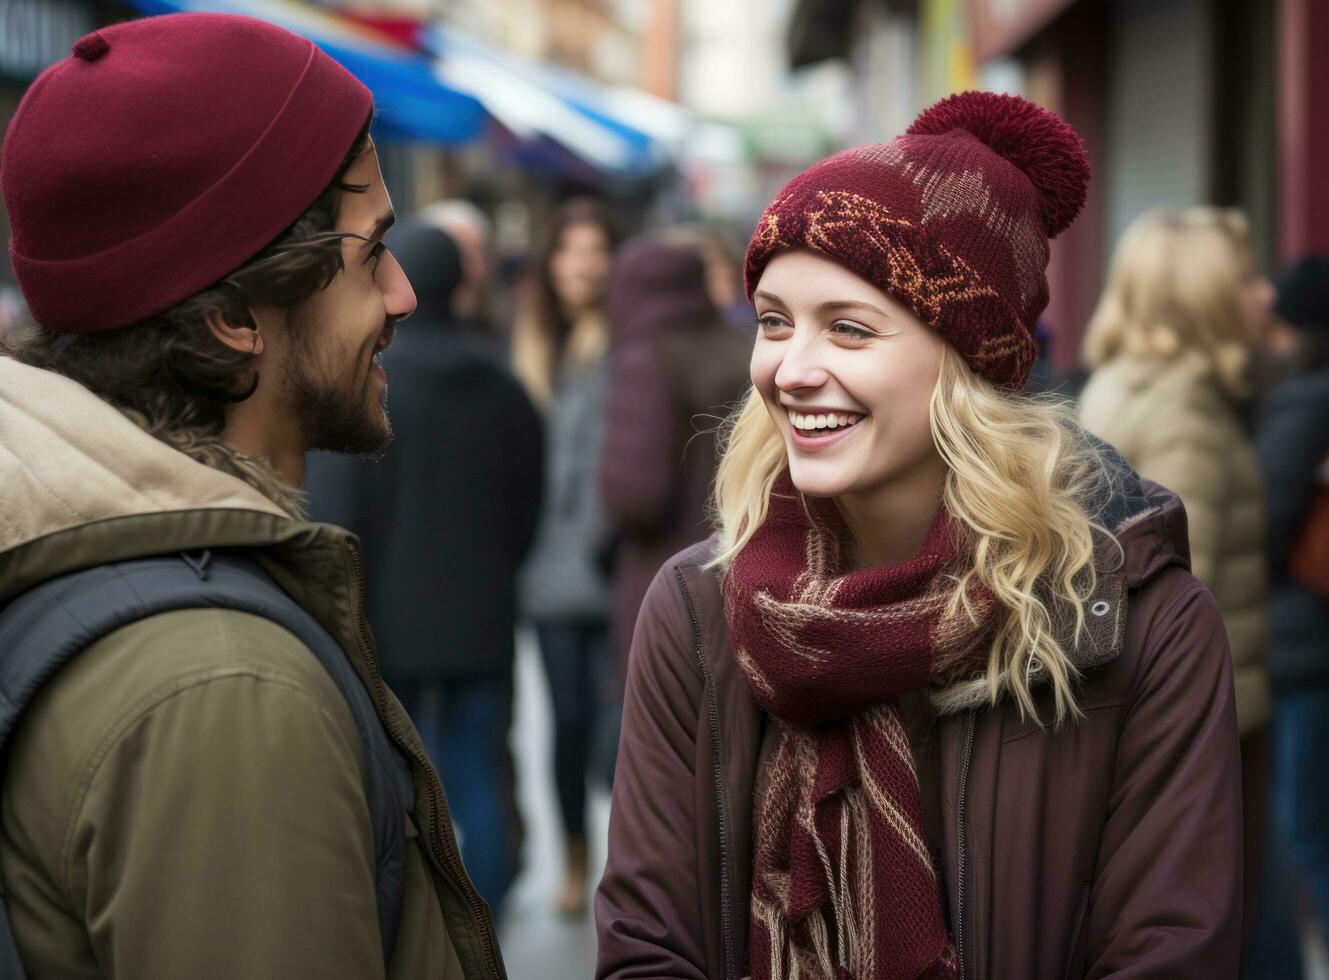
(335, 419)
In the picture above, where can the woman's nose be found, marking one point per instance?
(800, 367)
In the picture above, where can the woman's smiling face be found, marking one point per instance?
(847, 374)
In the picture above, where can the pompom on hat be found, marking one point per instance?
(952, 219)
(161, 155)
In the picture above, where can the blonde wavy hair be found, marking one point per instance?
(536, 357)
(1023, 482)
(1174, 285)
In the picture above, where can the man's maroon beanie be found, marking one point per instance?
(163, 154)
(952, 219)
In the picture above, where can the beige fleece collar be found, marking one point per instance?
(67, 459)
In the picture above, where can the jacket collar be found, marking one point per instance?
(73, 459)
(83, 485)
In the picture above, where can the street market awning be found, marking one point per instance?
(411, 100)
(536, 101)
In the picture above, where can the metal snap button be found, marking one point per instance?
(1099, 608)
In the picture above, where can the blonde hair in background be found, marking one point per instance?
(1175, 285)
(536, 357)
(1021, 478)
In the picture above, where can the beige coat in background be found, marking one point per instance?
(1174, 423)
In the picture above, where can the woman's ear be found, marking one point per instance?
(238, 335)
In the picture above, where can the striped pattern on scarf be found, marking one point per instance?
(843, 883)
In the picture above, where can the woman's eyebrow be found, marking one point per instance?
(830, 306)
(846, 304)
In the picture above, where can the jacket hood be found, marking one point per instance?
(432, 261)
(656, 286)
(83, 485)
(1147, 521)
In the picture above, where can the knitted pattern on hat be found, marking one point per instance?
(952, 219)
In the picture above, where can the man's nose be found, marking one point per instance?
(399, 296)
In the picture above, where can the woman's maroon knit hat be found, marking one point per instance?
(952, 219)
(161, 155)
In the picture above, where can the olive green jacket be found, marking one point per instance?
(1173, 422)
(186, 797)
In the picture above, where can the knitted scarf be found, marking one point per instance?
(843, 883)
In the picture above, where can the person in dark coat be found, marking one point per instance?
(1292, 439)
(446, 518)
(675, 368)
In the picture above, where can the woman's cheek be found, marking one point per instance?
(762, 368)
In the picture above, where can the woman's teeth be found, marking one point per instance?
(828, 420)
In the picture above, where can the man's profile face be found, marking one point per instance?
(331, 379)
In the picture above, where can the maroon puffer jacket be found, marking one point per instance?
(1111, 847)
(674, 369)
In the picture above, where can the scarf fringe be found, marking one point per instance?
(840, 938)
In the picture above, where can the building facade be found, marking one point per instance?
(1180, 102)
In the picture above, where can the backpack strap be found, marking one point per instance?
(46, 627)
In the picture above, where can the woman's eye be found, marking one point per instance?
(377, 251)
(771, 324)
(850, 331)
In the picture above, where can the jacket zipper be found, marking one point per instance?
(448, 859)
(721, 798)
(966, 753)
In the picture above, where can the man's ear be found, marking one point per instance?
(234, 333)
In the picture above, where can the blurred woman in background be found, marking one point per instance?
(559, 343)
(1171, 344)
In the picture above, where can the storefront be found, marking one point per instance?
(1303, 136)
(1176, 102)
(1054, 52)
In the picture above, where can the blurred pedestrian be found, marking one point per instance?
(12, 310)
(724, 271)
(473, 232)
(205, 775)
(1170, 345)
(559, 343)
(675, 369)
(911, 712)
(1292, 438)
(445, 518)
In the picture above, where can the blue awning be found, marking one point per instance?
(411, 100)
(536, 101)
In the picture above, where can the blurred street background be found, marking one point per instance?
(540, 134)
(536, 940)
(697, 110)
